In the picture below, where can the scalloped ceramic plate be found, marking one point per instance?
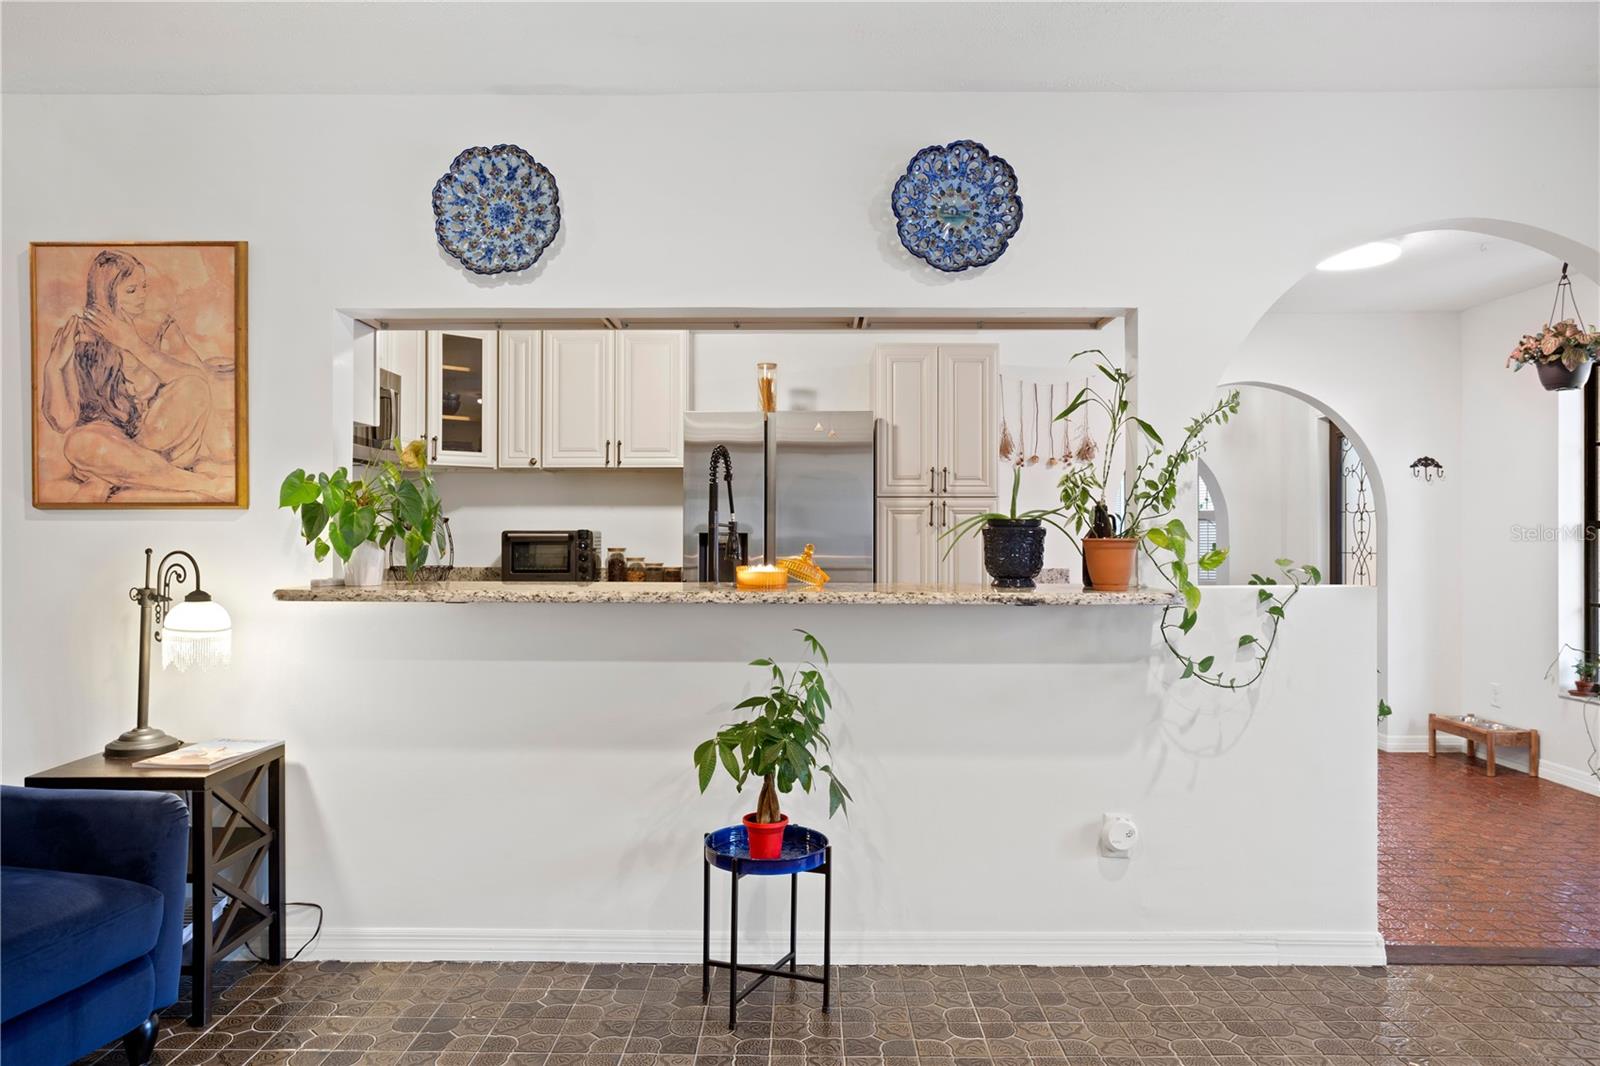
(496, 209)
(956, 206)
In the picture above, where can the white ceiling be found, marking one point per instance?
(1438, 270)
(66, 47)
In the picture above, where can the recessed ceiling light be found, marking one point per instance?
(1363, 256)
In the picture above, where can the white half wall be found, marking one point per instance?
(547, 790)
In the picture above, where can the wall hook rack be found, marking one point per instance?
(1427, 468)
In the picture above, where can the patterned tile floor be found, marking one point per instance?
(1503, 861)
(554, 1014)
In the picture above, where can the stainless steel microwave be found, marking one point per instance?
(372, 444)
(550, 555)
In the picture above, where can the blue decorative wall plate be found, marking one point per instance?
(957, 206)
(496, 209)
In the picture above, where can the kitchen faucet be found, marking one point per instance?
(719, 454)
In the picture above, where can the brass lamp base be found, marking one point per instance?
(141, 744)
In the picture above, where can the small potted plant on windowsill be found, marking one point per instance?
(780, 746)
(1586, 670)
(360, 519)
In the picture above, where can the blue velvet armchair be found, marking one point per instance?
(91, 920)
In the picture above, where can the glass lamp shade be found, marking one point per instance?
(196, 633)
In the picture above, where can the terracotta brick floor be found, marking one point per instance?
(1470, 860)
(575, 1014)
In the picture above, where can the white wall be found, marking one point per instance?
(1483, 569)
(1390, 381)
(1197, 209)
(1271, 463)
(1521, 549)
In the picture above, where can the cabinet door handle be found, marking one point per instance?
(930, 480)
(944, 516)
(619, 451)
(533, 462)
(947, 479)
(608, 453)
(436, 447)
(930, 514)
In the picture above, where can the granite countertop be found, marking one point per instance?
(672, 592)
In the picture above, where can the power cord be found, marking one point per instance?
(314, 933)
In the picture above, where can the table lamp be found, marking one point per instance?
(194, 632)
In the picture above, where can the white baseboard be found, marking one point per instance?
(1560, 773)
(352, 944)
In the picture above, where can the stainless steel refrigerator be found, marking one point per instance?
(799, 477)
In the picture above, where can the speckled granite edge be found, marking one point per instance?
(668, 592)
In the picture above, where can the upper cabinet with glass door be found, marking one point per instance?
(462, 397)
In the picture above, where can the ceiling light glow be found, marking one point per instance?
(1362, 256)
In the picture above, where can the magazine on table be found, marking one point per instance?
(205, 755)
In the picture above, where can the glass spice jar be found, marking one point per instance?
(767, 386)
(635, 568)
(655, 571)
(616, 564)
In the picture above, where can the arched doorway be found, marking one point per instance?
(1406, 362)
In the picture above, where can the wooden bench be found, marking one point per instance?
(1492, 734)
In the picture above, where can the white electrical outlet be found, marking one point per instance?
(1118, 835)
(1494, 694)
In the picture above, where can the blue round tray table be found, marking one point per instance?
(804, 851)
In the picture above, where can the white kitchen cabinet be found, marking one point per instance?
(578, 407)
(937, 406)
(404, 352)
(462, 397)
(907, 535)
(649, 384)
(968, 443)
(906, 398)
(521, 440)
(964, 563)
(613, 399)
(913, 545)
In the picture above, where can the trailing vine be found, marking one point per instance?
(1147, 516)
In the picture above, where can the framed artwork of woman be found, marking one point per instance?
(139, 385)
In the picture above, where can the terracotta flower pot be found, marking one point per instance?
(1583, 687)
(1109, 562)
(766, 838)
(1555, 377)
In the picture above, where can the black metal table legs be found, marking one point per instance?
(777, 969)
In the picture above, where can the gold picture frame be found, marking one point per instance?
(140, 384)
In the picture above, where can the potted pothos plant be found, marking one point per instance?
(359, 519)
(780, 746)
(1110, 540)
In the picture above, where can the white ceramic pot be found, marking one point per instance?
(366, 566)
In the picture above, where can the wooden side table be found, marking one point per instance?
(1490, 734)
(242, 840)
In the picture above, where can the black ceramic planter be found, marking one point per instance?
(1555, 377)
(1013, 551)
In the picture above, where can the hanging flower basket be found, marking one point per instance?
(1564, 349)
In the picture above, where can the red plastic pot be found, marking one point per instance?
(766, 838)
